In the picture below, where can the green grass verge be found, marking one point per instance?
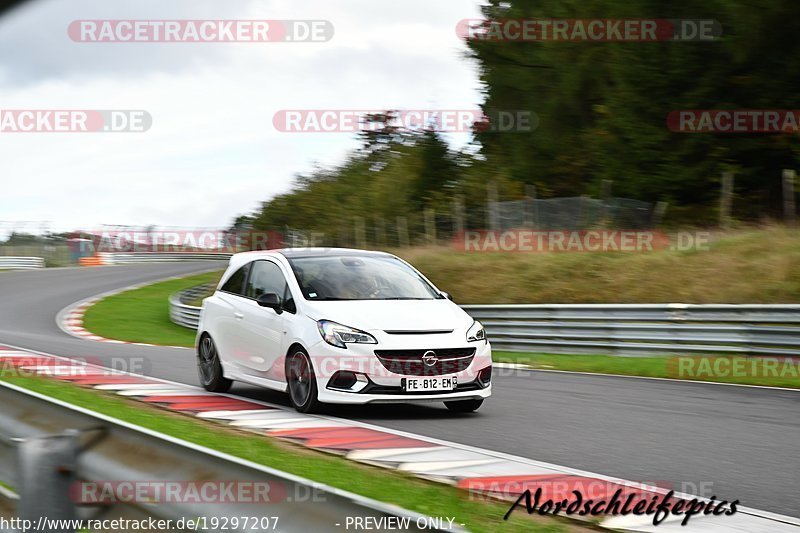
(388, 486)
(749, 266)
(142, 315)
(767, 371)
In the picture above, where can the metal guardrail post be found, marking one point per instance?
(47, 468)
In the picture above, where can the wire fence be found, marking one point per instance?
(574, 213)
(414, 228)
(443, 226)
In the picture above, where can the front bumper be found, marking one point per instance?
(381, 385)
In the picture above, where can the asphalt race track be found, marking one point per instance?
(732, 442)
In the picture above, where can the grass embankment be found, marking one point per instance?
(753, 266)
(767, 371)
(142, 315)
(388, 486)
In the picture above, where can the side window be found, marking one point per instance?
(266, 277)
(288, 301)
(235, 284)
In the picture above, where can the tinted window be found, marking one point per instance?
(367, 277)
(235, 284)
(288, 301)
(266, 277)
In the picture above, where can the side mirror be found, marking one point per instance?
(448, 296)
(271, 300)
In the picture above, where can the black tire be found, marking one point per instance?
(301, 382)
(464, 406)
(210, 368)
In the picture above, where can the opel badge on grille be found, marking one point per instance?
(429, 358)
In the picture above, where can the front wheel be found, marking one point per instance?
(302, 382)
(464, 406)
(210, 368)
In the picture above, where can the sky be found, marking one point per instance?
(212, 152)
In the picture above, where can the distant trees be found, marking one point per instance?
(603, 105)
(392, 173)
(602, 109)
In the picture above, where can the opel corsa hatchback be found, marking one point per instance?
(341, 326)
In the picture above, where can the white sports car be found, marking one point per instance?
(341, 326)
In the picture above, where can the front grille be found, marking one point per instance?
(418, 332)
(410, 362)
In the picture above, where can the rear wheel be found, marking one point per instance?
(464, 406)
(302, 382)
(210, 368)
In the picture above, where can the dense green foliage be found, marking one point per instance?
(603, 106)
(602, 109)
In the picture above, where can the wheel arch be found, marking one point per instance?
(294, 347)
(198, 339)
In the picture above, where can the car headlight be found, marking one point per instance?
(340, 336)
(476, 332)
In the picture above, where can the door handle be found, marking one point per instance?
(238, 316)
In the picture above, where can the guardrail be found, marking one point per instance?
(150, 257)
(20, 263)
(617, 329)
(643, 329)
(47, 446)
(183, 313)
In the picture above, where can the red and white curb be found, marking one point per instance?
(481, 471)
(72, 321)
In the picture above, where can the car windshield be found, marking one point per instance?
(360, 278)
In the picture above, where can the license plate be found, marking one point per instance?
(438, 384)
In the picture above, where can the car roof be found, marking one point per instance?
(292, 253)
(237, 260)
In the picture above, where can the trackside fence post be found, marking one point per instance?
(789, 211)
(725, 200)
(46, 467)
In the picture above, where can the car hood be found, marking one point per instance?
(405, 315)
